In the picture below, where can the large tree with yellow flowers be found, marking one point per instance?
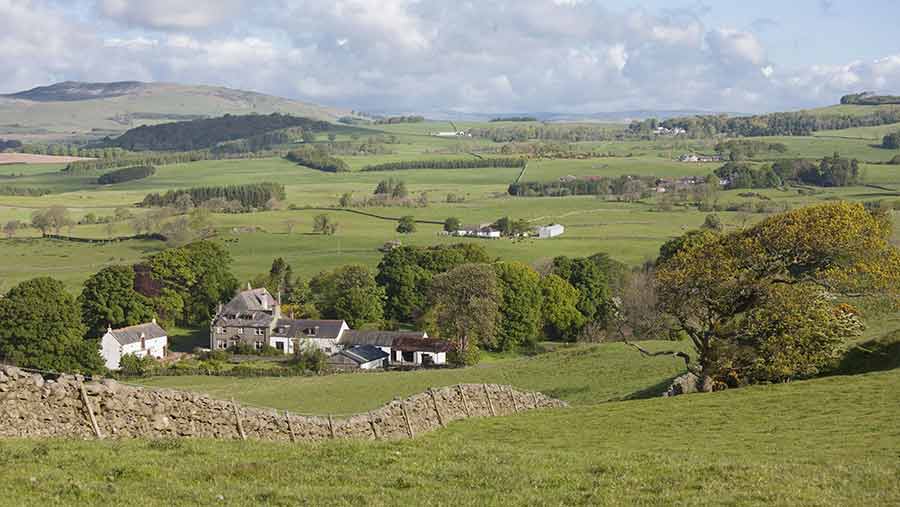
(777, 300)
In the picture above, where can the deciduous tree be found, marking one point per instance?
(779, 284)
(109, 299)
(466, 305)
(42, 329)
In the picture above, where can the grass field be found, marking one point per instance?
(831, 441)
(579, 374)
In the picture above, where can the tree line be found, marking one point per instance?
(798, 123)
(126, 174)
(10, 144)
(399, 119)
(891, 141)
(618, 186)
(461, 163)
(208, 132)
(250, 196)
(514, 119)
(317, 158)
(868, 99)
(833, 171)
(568, 133)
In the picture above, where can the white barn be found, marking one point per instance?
(142, 340)
(550, 231)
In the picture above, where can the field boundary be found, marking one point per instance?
(371, 215)
(32, 406)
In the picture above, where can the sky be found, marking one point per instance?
(422, 56)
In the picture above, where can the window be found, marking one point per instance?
(259, 345)
(310, 331)
(279, 346)
(220, 330)
(240, 330)
(260, 332)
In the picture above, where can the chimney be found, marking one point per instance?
(108, 328)
(153, 320)
(249, 287)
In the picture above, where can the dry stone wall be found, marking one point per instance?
(67, 406)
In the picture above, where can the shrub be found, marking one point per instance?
(310, 359)
(134, 366)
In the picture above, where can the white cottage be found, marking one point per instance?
(141, 340)
(550, 231)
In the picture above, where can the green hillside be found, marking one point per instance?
(79, 116)
(830, 441)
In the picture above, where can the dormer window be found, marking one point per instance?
(310, 331)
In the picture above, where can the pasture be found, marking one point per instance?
(630, 232)
(830, 441)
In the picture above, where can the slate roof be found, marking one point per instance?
(364, 354)
(254, 319)
(251, 300)
(296, 328)
(421, 345)
(378, 338)
(132, 334)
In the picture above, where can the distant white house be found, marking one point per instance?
(478, 231)
(142, 340)
(549, 231)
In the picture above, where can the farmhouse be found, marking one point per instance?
(142, 340)
(254, 318)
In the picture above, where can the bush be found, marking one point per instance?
(310, 359)
(133, 366)
(126, 174)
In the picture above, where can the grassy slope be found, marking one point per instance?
(831, 441)
(579, 375)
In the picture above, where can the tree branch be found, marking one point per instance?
(674, 353)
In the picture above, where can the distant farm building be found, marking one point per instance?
(478, 231)
(692, 157)
(549, 231)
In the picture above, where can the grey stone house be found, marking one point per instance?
(254, 318)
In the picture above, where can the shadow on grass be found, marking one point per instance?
(654, 391)
(880, 354)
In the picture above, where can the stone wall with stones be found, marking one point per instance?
(31, 406)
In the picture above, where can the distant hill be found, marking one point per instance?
(83, 111)
(209, 132)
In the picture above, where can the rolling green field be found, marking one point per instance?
(578, 374)
(830, 441)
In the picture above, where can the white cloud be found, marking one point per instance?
(422, 56)
(170, 14)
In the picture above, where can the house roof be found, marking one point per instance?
(296, 328)
(421, 345)
(133, 334)
(251, 300)
(378, 338)
(364, 354)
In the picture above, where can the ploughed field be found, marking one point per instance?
(830, 441)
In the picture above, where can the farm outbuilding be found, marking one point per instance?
(550, 231)
(142, 340)
(362, 357)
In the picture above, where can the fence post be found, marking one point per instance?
(90, 411)
(465, 400)
(237, 416)
(372, 425)
(331, 426)
(409, 428)
(436, 409)
(534, 398)
(287, 416)
(490, 401)
(512, 396)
